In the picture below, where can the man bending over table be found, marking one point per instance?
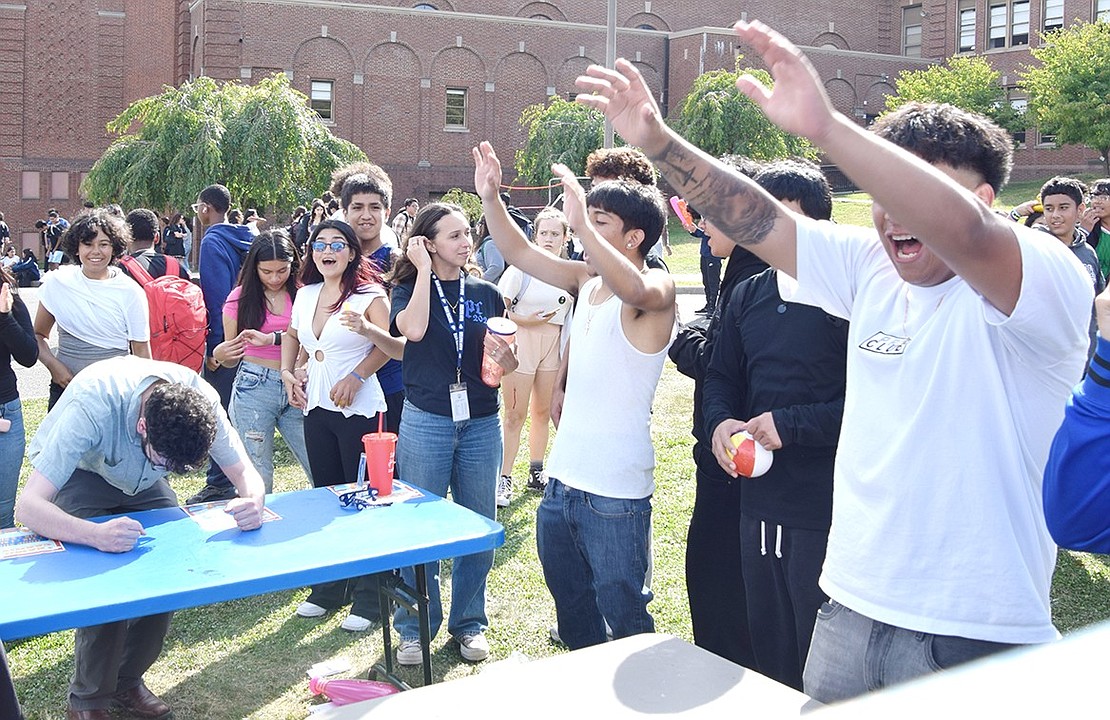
(105, 449)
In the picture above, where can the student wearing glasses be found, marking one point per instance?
(337, 389)
(105, 449)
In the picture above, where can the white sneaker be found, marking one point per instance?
(354, 623)
(474, 648)
(409, 652)
(310, 610)
(504, 491)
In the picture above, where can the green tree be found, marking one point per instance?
(969, 83)
(561, 131)
(717, 118)
(262, 141)
(1068, 90)
(468, 201)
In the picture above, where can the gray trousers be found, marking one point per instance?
(109, 659)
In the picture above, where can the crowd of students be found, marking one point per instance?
(908, 384)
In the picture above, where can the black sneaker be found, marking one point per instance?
(537, 479)
(211, 493)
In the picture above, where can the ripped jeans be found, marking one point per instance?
(258, 407)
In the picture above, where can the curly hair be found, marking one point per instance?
(180, 425)
(84, 229)
(620, 163)
(939, 133)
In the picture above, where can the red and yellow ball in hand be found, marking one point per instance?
(750, 458)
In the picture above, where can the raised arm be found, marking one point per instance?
(652, 291)
(565, 274)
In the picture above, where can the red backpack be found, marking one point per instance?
(178, 318)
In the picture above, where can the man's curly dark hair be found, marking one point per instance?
(180, 425)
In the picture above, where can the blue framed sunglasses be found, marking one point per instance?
(335, 245)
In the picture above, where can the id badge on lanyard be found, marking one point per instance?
(460, 403)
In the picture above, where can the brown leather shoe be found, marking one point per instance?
(97, 714)
(141, 702)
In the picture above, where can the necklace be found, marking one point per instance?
(591, 307)
(906, 311)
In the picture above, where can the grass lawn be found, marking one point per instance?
(247, 659)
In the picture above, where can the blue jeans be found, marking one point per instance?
(258, 406)
(594, 552)
(12, 444)
(851, 654)
(435, 453)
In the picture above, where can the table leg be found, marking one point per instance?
(425, 622)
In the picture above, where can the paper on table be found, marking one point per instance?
(20, 542)
(211, 516)
(401, 492)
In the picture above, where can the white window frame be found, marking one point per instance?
(1019, 23)
(966, 30)
(456, 103)
(998, 25)
(911, 26)
(321, 99)
(1102, 11)
(1053, 15)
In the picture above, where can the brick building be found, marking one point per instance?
(416, 84)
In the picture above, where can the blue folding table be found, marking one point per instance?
(178, 564)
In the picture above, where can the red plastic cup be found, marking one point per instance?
(381, 448)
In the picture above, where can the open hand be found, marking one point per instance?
(625, 99)
(487, 172)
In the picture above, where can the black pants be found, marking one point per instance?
(9, 704)
(711, 279)
(714, 581)
(334, 443)
(223, 379)
(781, 569)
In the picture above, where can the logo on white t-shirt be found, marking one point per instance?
(883, 344)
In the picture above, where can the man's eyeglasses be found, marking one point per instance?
(196, 207)
(159, 463)
(336, 246)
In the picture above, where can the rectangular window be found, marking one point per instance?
(1020, 105)
(1019, 30)
(29, 185)
(997, 36)
(456, 108)
(320, 99)
(911, 31)
(1102, 11)
(59, 185)
(967, 26)
(1048, 138)
(1053, 15)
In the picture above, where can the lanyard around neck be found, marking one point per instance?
(457, 327)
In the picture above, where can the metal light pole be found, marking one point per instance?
(610, 58)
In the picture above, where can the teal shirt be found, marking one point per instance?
(93, 425)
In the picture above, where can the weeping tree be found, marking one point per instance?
(720, 120)
(561, 131)
(262, 141)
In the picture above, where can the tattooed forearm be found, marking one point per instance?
(735, 204)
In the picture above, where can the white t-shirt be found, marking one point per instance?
(341, 350)
(537, 296)
(950, 409)
(106, 313)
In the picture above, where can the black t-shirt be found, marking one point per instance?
(171, 244)
(428, 368)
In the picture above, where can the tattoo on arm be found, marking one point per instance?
(735, 203)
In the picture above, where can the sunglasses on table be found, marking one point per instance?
(360, 499)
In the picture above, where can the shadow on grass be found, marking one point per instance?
(42, 693)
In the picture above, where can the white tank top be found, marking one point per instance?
(603, 445)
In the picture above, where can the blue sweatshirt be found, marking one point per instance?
(221, 255)
(1077, 476)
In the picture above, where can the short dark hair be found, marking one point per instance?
(939, 133)
(1060, 185)
(143, 224)
(626, 163)
(372, 171)
(218, 196)
(801, 181)
(638, 206)
(52, 213)
(1098, 187)
(408, 201)
(235, 216)
(180, 425)
(84, 229)
(359, 184)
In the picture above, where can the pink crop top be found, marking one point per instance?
(271, 323)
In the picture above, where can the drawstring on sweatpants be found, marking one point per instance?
(763, 539)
